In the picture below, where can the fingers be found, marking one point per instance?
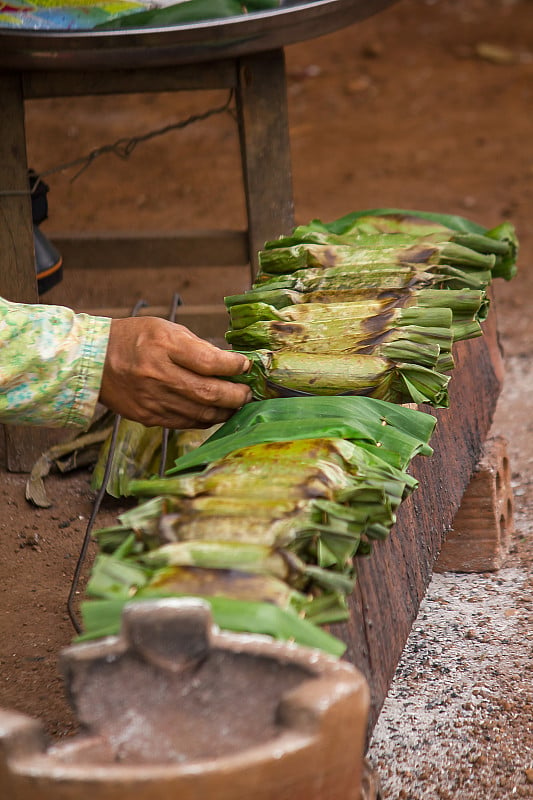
(193, 366)
(203, 357)
(177, 416)
(210, 392)
(205, 400)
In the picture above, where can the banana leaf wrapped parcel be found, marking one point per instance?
(275, 373)
(394, 249)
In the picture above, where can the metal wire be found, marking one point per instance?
(122, 148)
(176, 302)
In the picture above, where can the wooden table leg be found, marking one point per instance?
(17, 260)
(265, 148)
(17, 273)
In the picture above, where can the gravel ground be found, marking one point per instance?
(458, 718)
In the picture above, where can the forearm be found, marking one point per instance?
(51, 363)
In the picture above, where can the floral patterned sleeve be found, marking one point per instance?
(51, 363)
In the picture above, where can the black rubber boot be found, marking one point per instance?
(48, 262)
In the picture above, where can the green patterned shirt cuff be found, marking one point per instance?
(51, 363)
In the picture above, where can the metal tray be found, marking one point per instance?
(184, 44)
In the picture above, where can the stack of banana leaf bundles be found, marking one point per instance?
(371, 303)
(263, 519)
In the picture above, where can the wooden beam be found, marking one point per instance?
(157, 249)
(81, 83)
(208, 321)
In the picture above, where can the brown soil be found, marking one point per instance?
(427, 105)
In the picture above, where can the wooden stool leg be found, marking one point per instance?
(17, 275)
(265, 148)
(17, 260)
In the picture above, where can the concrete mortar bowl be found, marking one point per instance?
(175, 708)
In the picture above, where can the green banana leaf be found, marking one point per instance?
(450, 221)
(102, 618)
(358, 419)
(137, 452)
(356, 410)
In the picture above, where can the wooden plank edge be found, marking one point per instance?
(393, 580)
(105, 250)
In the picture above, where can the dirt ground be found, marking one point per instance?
(426, 105)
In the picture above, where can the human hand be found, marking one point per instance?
(159, 373)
